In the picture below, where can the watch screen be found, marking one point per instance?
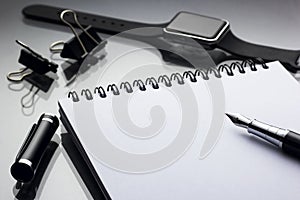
(197, 25)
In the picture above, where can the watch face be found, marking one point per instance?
(203, 28)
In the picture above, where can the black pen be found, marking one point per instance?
(34, 147)
(287, 140)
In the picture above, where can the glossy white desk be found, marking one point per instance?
(271, 22)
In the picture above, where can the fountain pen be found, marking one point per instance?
(285, 139)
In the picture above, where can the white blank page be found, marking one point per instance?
(120, 141)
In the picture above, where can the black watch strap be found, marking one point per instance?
(230, 43)
(102, 24)
(236, 46)
(111, 26)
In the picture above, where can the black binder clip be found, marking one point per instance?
(35, 69)
(81, 45)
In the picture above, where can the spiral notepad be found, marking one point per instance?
(167, 137)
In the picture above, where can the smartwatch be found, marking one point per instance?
(211, 33)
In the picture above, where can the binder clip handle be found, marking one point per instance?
(18, 76)
(73, 29)
(81, 44)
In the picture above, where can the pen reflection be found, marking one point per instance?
(79, 166)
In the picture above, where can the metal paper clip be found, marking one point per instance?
(79, 46)
(33, 62)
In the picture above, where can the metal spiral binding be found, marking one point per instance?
(87, 94)
(165, 79)
(100, 90)
(139, 83)
(113, 88)
(152, 81)
(227, 69)
(127, 86)
(177, 76)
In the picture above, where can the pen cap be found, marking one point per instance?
(291, 143)
(34, 147)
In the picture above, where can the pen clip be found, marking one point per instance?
(27, 141)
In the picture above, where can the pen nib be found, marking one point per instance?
(239, 120)
(231, 117)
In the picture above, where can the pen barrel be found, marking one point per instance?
(24, 167)
(44, 132)
(291, 143)
(269, 133)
